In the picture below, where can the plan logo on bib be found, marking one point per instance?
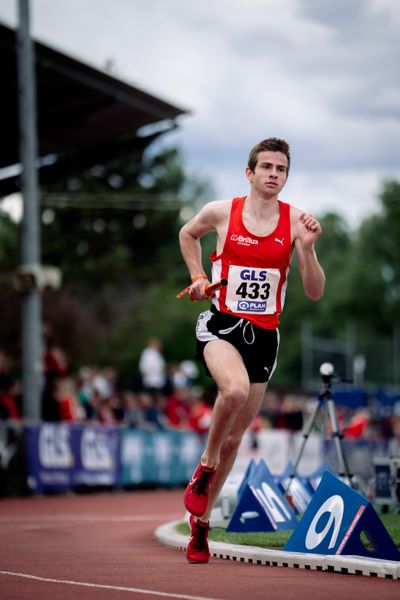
(334, 521)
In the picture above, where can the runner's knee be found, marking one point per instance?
(231, 445)
(235, 396)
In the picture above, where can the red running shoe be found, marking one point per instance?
(197, 549)
(196, 494)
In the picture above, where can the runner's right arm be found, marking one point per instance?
(210, 218)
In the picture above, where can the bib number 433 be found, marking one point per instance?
(254, 290)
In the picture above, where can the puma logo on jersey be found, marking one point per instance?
(279, 241)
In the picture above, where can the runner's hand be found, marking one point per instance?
(309, 230)
(197, 290)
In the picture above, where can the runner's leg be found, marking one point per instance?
(229, 373)
(232, 442)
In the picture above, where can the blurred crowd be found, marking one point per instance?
(162, 396)
(165, 395)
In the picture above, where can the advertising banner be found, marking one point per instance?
(158, 458)
(13, 467)
(63, 456)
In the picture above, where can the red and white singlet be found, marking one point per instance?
(256, 268)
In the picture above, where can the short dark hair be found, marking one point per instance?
(272, 144)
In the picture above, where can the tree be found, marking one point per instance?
(379, 251)
(328, 316)
(362, 289)
(113, 231)
(375, 301)
(9, 301)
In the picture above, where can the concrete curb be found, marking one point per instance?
(357, 565)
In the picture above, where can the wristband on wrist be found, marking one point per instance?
(199, 276)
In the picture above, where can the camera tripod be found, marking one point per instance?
(325, 400)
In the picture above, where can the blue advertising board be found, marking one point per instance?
(64, 455)
(158, 458)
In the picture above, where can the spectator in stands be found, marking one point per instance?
(84, 390)
(178, 405)
(103, 382)
(69, 407)
(5, 370)
(105, 410)
(55, 367)
(154, 417)
(284, 410)
(255, 428)
(152, 366)
(200, 417)
(394, 447)
(133, 415)
(10, 400)
(292, 411)
(177, 377)
(358, 426)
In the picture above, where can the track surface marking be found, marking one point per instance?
(102, 547)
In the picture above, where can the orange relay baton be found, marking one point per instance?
(210, 288)
(214, 287)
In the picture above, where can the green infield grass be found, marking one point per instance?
(277, 539)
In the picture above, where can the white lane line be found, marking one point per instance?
(105, 587)
(83, 517)
(45, 522)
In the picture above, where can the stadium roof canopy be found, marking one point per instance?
(84, 116)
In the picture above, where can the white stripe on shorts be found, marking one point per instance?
(278, 339)
(202, 333)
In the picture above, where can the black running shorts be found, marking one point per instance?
(257, 346)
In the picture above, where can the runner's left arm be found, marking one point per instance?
(308, 230)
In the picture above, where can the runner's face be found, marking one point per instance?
(270, 173)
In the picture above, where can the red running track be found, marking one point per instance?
(102, 547)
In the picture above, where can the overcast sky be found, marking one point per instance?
(322, 74)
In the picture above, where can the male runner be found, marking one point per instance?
(238, 338)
